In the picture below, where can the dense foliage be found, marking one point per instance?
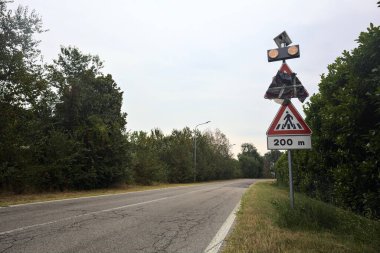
(160, 158)
(343, 167)
(62, 126)
(269, 160)
(251, 163)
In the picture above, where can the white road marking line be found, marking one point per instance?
(218, 239)
(105, 195)
(97, 196)
(97, 212)
(80, 215)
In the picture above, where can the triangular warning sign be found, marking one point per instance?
(286, 85)
(285, 69)
(288, 121)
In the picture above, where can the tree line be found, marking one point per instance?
(343, 166)
(62, 126)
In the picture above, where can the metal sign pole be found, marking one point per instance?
(291, 192)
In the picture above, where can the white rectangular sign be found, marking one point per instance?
(284, 142)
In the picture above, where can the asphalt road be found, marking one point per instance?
(181, 219)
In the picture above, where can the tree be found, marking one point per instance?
(349, 134)
(251, 163)
(270, 158)
(89, 111)
(146, 163)
(20, 71)
(179, 156)
(24, 95)
(160, 158)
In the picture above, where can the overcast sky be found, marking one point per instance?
(181, 63)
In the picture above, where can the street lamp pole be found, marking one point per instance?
(195, 149)
(229, 147)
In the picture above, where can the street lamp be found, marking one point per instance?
(195, 149)
(229, 147)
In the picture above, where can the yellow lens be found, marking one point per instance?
(293, 50)
(273, 53)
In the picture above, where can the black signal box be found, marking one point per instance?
(283, 53)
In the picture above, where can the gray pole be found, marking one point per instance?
(291, 193)
(195, 157)
(195, 149)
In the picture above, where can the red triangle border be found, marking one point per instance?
(285, 68)
(272, 131)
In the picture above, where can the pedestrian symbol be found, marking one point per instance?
(288, 122)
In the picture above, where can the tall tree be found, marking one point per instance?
(251, 163)
(89, 111)
(179, 155)
(147, 165)
(24, 94)
(20, 67)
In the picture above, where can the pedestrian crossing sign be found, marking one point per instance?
(288, 121)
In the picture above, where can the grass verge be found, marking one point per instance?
(14, 199)
(266, 223)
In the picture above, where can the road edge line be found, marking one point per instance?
(108, 194)
(96, 212)
(94, 196)
(222, 233)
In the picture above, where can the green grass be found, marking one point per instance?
(7, 199)
(266, 223)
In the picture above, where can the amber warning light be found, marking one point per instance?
(283, 53)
